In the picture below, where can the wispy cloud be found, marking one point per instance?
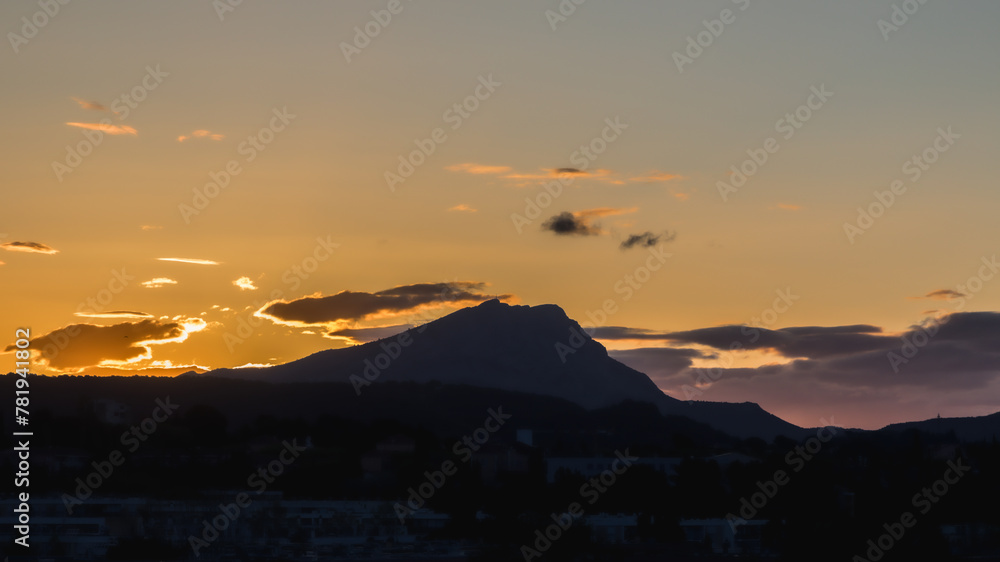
(157, 282)
(106, 128)
(92, 105)
(655, 176)
(190, 260)
(201, 134)
(31, 247)
(151, 227)
(471, 168)
(463, 208)
(113, 314)
(646, 240)
(940, 295)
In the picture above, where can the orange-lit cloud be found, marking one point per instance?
(521, 179)
(463, 208)
(78, 346)
(190, 260)
(30, 247)
(603, 212)
(158, 282)
(106, 128)
(151, 227)
(92, 105)
(656, 176)
(201, 134)
(245, 284)
(471, 168)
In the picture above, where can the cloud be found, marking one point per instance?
(603, 212)
(113, 314)
(106, 128)
(646, 239)
(941, 295)
(567, 224)
(151, 227)
(201, 134)
(949, 365)
(521, 179)
(190, 260)
(656, 176)
(158, 282)
(478, 169)
(463, 208)
(78, 346)
(363, 335)
(352, 306)
(245, 284)
(92, 105)
(31, 247)
(578, 222)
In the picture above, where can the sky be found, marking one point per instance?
(748, 200)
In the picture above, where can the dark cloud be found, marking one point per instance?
(353, 306)
(941, 295)
(362, 335)
(858, 373)
(79, 346)
(568, 224)
(571, 171)
(664, 365)
(34, 247)
(647, 239)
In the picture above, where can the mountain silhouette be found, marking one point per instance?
(532, 349)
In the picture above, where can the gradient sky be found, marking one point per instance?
(339, 113)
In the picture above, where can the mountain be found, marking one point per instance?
(532, 349)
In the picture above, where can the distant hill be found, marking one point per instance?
(515, 348)
(983, 428)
